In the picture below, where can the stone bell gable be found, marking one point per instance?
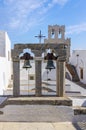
(56, 35)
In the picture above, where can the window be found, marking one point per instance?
(60, 34)
(81, 73)
(31, 77)
(53, 34)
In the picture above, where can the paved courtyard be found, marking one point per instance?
(32, 116)
(45, 117)
(38, 126)
(37, 113)
(40, 113)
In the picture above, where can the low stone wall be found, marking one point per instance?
(38, 101)
(79, 110)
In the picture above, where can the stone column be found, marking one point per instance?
(38, 79)
(49, 33)
(56, 34)
(62, 35)
(57, 78)
(16, 77)
(63, 32)
(60, 78)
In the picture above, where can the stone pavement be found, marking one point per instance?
(37, 126)
(40, 117)
(37, 113)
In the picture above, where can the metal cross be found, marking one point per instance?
(40, 36)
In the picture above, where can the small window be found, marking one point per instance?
(81, 73)
(31, 77)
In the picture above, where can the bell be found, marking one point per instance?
(50, 65)
(27, 64)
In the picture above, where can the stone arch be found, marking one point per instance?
(27, 75)
(47, 77)
(38, 49)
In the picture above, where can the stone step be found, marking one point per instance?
(78, 110)
(38, 100)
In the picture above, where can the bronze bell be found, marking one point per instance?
(50, 65)
(27, 64)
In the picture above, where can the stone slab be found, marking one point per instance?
(36, 126)
(37, 100)
(79, 110)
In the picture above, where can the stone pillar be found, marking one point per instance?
(56, 34)
(49, 33)
(60, 77)
(57, 78)
(16, 77)
(38, 77)
(63, 32)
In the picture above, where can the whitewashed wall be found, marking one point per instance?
(2, 44)
(78, 59)
(24, 74)
(5, 62)
(8, 55)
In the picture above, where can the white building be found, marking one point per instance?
(5, 61)
(78, 59)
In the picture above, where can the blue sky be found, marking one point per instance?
(23, 19)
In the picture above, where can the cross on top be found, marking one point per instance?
(40, 36)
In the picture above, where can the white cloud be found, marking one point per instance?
(14, 23)
(76, 29)
(60, 2)
(52, 4)
(22, 11)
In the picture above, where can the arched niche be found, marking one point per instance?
(48, 76)
(27, 75)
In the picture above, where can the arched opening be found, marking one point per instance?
(27, 74)
(60, 34)
(52, 33)
(48, 74)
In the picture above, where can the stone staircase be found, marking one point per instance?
(73, 72)
(81, 84)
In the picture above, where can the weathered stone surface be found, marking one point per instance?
(36, 100)
(16, 78)
(38, 77)
(79, 110)
(39, 48)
